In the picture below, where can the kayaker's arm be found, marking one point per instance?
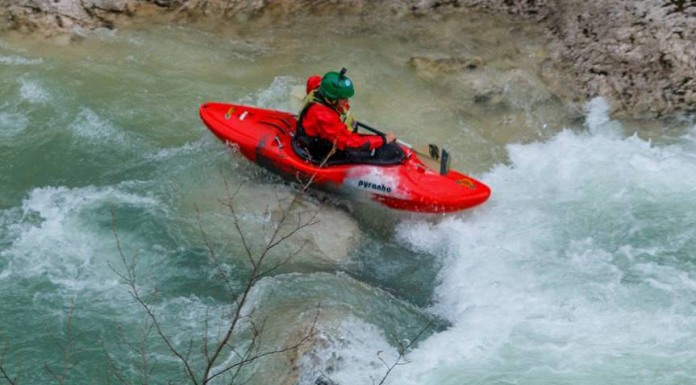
(433, 152)
(321, 121)
(386, 137)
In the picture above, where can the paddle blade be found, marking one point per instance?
(444, 163)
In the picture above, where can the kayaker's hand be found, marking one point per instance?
(389, 138)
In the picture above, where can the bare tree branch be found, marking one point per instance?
(130, 278)
(307, 335)
(67, 343)
(403, 350)
(212, 353)
(112, 369)
(3, 372)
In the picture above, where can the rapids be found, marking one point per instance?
(580, 269)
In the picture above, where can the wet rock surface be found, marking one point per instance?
(313, 234)
(639, 55)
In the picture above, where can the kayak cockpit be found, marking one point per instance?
(320, 151)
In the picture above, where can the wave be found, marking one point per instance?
(53, 235)
(572, 263)
(15, 60)
(581, 263)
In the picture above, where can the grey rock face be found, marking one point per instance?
(641, 55)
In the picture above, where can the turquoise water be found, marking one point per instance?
(580, 269)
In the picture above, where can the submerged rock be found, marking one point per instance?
(332, 314)
(432, 67)
(317, 234)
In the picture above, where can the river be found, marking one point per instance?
(578, 270)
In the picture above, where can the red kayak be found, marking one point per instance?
(265, 137)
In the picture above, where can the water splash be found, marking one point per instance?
(33, 91)
(565, 273)
(278, 95)
(598, 119)
(19, 60)
(54, 237)
(94, 128)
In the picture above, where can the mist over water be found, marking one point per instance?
(579, 269)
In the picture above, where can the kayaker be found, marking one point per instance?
(325, 123)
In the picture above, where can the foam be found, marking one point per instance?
(19, 60)
(598, 121)
(33, 91)
(183, 316)
(574, 261)
(12, 124)
(354, 349)
(188, 148)
(92, 127)
(691, 138)
(55, 236)
(278, 95)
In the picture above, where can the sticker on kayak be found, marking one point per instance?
(228, 115)
(374, 186)
(466, 182)
(371, 179)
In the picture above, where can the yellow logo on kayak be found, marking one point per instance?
(228, 115)
(466, 182)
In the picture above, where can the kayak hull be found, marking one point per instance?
(265, 137)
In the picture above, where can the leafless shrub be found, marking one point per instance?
(238, 341)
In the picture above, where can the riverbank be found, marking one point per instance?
(640, 56)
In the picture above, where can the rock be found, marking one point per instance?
(331, 237)
(507, 101)
(49, 18)
(64, 8)
(639, 55)
(107, 5)
(335, 307)
(261, 209)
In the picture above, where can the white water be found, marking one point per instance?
(579, 269)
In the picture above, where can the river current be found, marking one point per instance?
(578, 270)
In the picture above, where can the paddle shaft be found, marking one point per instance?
(382, 134)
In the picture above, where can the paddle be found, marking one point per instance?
(433, 153)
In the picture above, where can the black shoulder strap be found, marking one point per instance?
(300, 118)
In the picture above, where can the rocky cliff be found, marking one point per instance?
(641, 55)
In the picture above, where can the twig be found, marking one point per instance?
(3, 372)
(403, 349)
(130, 278)
(67, 345)
(212, 353)
(309, 334)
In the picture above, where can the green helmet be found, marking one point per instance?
(336, 85)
